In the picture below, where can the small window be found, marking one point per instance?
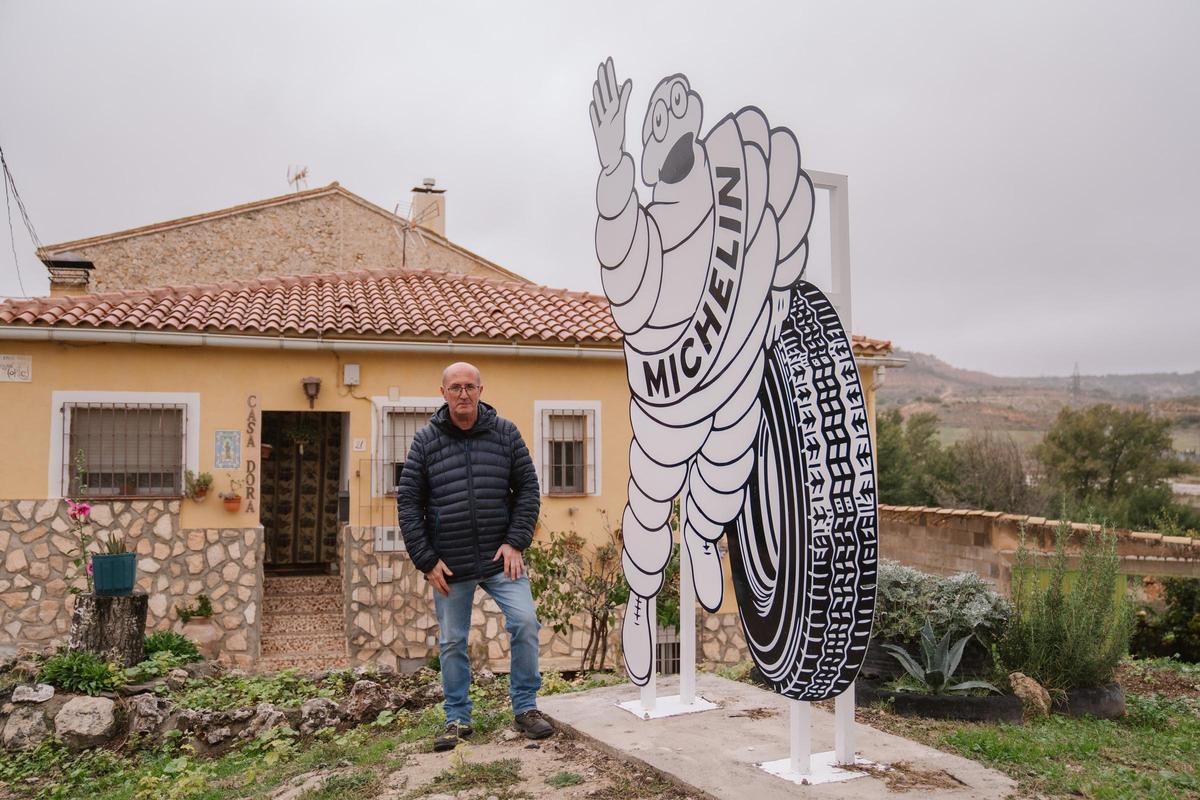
(400, 426)
(123, 449)
(568, 451)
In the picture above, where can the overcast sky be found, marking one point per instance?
(1023, 176)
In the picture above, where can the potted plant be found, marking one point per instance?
(113, 570)
(196, 486)
(233, 498)
(197, 623)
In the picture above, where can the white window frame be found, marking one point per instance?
(540, 453)
(379, 432)
(59, 472)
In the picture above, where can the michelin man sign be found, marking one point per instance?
(746, 400)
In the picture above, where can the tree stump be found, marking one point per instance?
(111, 626)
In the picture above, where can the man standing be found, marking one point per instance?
(468, 499)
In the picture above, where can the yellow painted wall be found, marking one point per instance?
(225, 377)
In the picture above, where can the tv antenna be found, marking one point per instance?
(297, 175)
(411, 224)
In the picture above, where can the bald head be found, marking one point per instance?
(468, 371)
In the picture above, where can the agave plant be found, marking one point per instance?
(940, 662)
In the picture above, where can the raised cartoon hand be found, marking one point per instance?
(608, 114)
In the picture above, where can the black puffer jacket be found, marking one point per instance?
(464, 493)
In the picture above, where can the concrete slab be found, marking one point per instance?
(719, 752)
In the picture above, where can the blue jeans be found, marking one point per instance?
(520, 620)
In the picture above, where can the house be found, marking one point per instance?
(300, 392)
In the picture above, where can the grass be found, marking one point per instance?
(1153, 752)
(466, 775)
(561, 780)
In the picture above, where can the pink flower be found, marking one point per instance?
(78, 511)
(89, 568)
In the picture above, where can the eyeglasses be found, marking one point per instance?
(456, 388)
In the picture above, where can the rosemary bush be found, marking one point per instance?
(1069, 630)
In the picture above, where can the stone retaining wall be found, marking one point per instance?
(173, 567)
(945, 541)
(392, 621)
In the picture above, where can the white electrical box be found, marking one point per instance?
(350, 375)
(388, 539)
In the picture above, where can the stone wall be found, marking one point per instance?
(946, 541)
(393, 621)
(327, 232)
(173, 567)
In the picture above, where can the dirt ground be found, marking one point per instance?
(561, 767)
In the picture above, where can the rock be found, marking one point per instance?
(266, 717)
(318, 713)
(485, 677)
(204, 669)
(24, 729)
(214, 736)
(366, 700)
(301, 785)
(86, 722)
(1035, 700)
(148, 713)
(39, 693)
(177, 679)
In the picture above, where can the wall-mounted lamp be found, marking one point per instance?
(312, 388)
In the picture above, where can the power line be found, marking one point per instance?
(10, 188)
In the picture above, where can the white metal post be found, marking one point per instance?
(801, 744)
(649, 691)
(687, 620)
(843, 727)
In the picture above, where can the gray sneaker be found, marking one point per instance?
(533, 724)
(449, 737)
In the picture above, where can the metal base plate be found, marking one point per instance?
(824, 769)
(669, 706)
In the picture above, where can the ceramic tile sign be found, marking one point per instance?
(15, 369)
(746, 400)
(228, 450)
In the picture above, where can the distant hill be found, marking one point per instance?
(968, 400)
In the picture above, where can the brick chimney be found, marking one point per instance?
(429, 206)
(70, 273)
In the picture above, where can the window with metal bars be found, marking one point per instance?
(568, 438)
(400, 425)
(124, 449)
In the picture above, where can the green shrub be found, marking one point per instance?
(286, 689)
(174, 643)
(1072, 631)
(158, 664)
(958, 604)
(201, 608)
(1175, 631)
(80, 672)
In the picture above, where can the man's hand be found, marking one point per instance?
(514, 564)
(437, 576)
(608, 115)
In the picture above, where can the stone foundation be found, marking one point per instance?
(393, 621)
(173, 567)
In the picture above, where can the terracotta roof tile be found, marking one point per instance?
(368, 303)
(393, 302)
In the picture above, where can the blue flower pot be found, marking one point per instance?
(113, 574)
